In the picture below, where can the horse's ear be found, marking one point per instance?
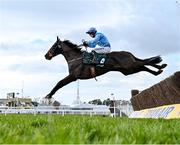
(58, 38)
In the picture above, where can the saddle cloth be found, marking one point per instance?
(88, 58)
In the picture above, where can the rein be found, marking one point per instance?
(72, 60)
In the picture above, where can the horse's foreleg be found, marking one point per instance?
(151, 71)
(70, 78)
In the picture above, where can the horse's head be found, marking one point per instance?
(54, 50)
(66, 48)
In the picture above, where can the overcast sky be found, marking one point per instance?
(28, 28)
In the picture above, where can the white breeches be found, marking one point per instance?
(102, 49)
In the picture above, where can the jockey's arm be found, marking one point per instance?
(92, 43)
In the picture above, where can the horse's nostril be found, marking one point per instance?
(47, 57)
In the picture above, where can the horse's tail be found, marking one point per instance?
(154, 60)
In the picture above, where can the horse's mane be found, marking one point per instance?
(70, 44)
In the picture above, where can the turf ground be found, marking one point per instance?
(56, 129)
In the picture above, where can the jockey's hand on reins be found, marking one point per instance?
(84, 44)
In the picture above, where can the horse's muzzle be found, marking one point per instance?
(47, 57)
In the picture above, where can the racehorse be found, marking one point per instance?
(121, 61)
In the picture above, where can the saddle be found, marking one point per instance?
(97, 59)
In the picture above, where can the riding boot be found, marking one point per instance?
(94, 59)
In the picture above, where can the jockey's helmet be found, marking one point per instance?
(92, 30)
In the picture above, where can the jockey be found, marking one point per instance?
(98, 39)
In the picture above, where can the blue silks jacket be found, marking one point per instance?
(99, 39)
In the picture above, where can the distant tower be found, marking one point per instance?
(77, 101)
(78, 98)
(22, 90)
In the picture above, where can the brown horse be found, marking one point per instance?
(122, 61)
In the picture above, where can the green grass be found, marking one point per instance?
(56, 129)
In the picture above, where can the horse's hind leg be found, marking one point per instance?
(153, 62)
(159, 66)
(151, 71)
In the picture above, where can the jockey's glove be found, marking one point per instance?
(85, 44)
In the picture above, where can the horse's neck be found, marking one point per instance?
(71, 55)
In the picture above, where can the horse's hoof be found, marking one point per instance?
(163, 66)
(159, 72)
(47, 100)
